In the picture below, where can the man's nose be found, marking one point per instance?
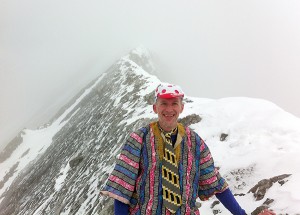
(169, 108)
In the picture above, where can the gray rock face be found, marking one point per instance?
(67, 178)
(11, 146)
(260, 189)
(67, 175)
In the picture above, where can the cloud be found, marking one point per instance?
(51, 49)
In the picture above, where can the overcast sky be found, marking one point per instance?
(213, 49)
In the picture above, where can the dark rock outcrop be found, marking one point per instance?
(223, 137)
(10, 147)
(260, 189)
(190, 119)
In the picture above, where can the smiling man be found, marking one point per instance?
(168, 106)
(165, 166)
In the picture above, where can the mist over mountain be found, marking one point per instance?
(61, 167)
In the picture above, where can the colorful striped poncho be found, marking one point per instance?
(136, 179)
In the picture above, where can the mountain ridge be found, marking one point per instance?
(61, 167)
(99, 101)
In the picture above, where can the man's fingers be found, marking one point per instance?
(267, 212)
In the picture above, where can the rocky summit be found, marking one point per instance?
(61, 167)
(67, 176)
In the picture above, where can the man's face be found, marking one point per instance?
(168, 111)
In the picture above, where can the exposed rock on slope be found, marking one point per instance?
(61, 167)
(66, 178)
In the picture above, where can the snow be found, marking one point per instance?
(61, 178)
(37, 141)
(141, 50)
(92, 195)
(263, 141)
(44, 205)
(262, 136)
(150, 80)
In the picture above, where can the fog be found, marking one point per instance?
(49, 50)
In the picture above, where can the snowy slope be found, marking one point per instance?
(35, 142)
(61, 168)
(263, 141)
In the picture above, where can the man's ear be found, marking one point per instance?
(154, 108)
(182, 107)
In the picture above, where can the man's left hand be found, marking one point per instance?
(266, 212)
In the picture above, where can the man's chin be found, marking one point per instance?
(169, 126)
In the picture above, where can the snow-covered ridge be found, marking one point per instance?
(41, 136)
(250, 139)
(74, 138)
(263, 141)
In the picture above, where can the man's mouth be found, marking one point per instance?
(168, 115)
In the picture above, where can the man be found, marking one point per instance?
(164, 166)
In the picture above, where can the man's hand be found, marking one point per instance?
(266, 212)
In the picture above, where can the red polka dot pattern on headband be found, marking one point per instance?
(168, 91)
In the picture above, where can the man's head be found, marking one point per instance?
(168, 105)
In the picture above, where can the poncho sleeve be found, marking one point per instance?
(210, 181)
(121, 182)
